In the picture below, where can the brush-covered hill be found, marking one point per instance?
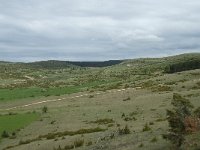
(65, 73)
(183, 62)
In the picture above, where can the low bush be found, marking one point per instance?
(44, 109)
(110, 125)
(103, 121)
(78, 143)
(127, 99)
(5, 134)
(89, 143)
(125, 130)
(91, 96)
(146, 128)
(21, 142)
(161, 88)
(129, 118)
(141, 145)
(154, 140)
(71, 133)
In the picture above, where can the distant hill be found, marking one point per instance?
(54, 64)
(96, 63)
(186, 61)
(50, 64)
(169, 64)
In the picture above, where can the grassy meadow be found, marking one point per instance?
(14, 122)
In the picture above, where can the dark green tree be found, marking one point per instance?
(181, 109)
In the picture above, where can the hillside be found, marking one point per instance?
(64, 73)
(59, 106)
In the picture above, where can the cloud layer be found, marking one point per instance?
(33, 30)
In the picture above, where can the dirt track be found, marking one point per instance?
(61, 99)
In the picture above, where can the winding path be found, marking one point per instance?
(61, 99)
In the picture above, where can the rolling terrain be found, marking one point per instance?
(121, 105)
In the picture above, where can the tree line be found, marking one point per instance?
(183, 66)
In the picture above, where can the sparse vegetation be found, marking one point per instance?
(71, 133)
(44, 109)
(124, 130)
(146, 128)
(154, 140)
(141, 145)
(77, 143)
(127, 99)
(120, 113)
(103, 121)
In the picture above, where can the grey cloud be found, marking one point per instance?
(97, 29)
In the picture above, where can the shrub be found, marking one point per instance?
(129, 118)
(110, 125)
(50, 136)
(133, 113)
(161, 88)
(127, 99)
(89, 143)
(12, 113)
(154, 140)
(125, 130)
(141, 145)
(52, 122)
(13, 136)
(71, 133)
(151, 123)
(21, 142)
(44, 109)
(146, 128)
(91, 96)
(123, 115)
(103, 121)
(4, 134)
(78, 143)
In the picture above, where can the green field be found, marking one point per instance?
(21, 93)
(13, 122)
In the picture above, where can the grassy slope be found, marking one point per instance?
(48, 82)
(149, 103)
(146, 105)
(11, 123)
(21, 93)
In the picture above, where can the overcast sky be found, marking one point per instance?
(33, 30)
